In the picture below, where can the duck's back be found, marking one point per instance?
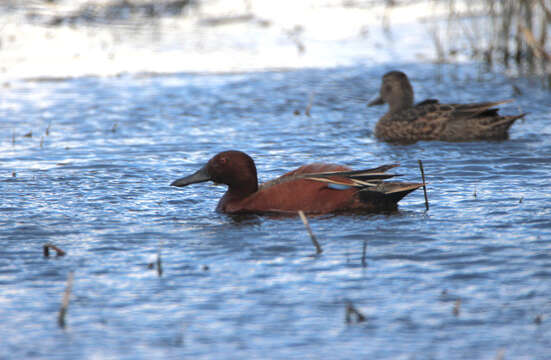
(292, 192)
(430, 120)
(425, 121)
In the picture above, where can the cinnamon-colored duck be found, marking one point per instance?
(315, 188)
(430, 120)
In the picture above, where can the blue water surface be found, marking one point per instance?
(469, 279)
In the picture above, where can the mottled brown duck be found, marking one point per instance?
(429, 120)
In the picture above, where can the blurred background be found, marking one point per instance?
(60, 38)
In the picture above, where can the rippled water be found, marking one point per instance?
(97, 186)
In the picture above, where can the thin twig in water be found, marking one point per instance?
(457, 307)
(364, 262)
(424, 184)
(65, 301)
(159, 264)
(312, 236)
(309, 105)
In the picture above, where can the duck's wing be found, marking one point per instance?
(348, 178)
(469, 111)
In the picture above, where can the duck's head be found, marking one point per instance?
(233, 168)
(396, 91)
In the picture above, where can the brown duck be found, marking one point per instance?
(318, 188)
(430, 120)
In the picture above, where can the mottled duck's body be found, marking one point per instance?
(430, 120)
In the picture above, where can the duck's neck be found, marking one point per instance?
(236, 194)
(399, 103)
(243, 189)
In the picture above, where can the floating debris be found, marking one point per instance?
(58, 252)
(114, 128)
(352, 311)
(474, 193)
(312, 236)
(28, 135)
(538, 319)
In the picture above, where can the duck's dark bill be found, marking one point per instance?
(377, 101)
(200, 176)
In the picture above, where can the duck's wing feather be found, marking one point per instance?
(354, 178)
(469, 111)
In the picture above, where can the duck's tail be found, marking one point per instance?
(388, 193)
(480, 121)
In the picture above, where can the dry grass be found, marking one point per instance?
(513, 34)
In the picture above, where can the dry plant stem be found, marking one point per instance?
(312, 236)
(159, 265)
(424, 185)
(364, 262)
(309, 105)
(65, 301)
(532, 42)
(457, 307)
(508, 30)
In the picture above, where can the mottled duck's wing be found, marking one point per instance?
(468, 111)
(427, 102)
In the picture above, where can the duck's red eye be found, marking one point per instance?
(222, 161)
